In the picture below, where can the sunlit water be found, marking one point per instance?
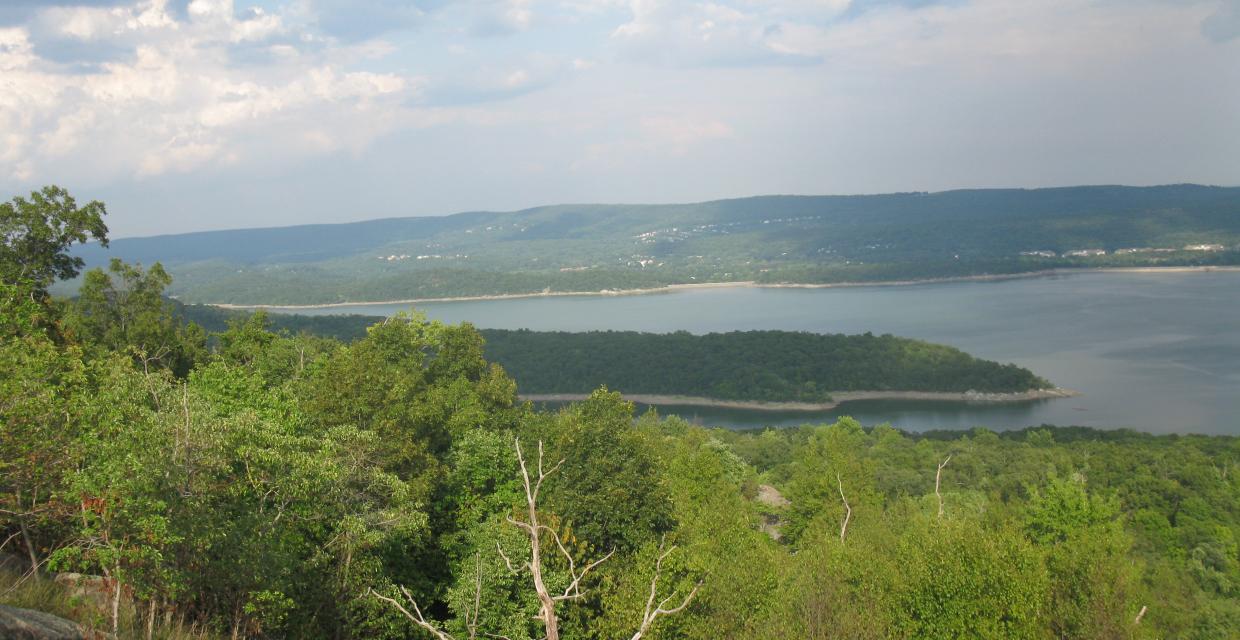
(1153, 351)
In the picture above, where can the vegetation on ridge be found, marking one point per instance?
(769, 239)
(276, 486)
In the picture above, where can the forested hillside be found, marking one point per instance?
(293, 486)
(744, 365)
(769, 239)
(772, 366)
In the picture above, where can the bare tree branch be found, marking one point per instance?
(416, 617)
(507, 562)
(652, 612)
(937, 477)
(573, 590)
(847, 508)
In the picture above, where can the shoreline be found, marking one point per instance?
(839, 397)
(671, 288)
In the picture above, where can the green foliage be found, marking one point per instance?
(271, 487)
(123, 309)
(37, 232)
(744, 365)
(773, 239)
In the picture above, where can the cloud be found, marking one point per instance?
(717, 34)
(354, 21)
(176, 102)
(1224, 24)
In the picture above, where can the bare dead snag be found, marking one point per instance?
(534, 530)
(546, 599)
(847, 509)
(652, 611)
(938, 475)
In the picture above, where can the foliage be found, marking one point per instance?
(37, 232)
(770, 240)
(279, 482)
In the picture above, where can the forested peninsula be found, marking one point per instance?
(750, 369)
(767, 366)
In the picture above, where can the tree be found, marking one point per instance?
(41, 387)
(569, 587)
(124, 309)
(36, 233)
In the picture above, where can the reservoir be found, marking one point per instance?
(1154, 351)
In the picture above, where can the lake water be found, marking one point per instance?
(1158, 352)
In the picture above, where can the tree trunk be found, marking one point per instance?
(116, 605)
(150, 617)
(34, 558)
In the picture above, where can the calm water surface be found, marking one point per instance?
(1154, 351)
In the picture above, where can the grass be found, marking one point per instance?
(40, 593)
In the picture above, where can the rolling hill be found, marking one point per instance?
(771, 239)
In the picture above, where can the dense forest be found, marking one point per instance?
(743, 365)
(268, 485)
(768, 239)
(774, 366)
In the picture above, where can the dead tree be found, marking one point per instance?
(938, 476)
(532, 528)
(847, 509)
(652, 612)
(546, 598)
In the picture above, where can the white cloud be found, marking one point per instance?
(176, 103)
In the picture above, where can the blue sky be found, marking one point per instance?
(204, 114)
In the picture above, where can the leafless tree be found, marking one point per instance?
(938, 476)
(546, 598)
(847, 508)
(652, 612)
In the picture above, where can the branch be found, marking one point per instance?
(938, 476)
(848, 509)
(573, 590)
(418, 619)
(652, 612)
(513, 570)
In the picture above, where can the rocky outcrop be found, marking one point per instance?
(92, 591)
(25, 624)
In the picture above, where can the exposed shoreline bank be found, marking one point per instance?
(839, 397)
(737, 284)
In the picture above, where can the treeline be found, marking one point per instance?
(267, 485)
(770, 239)
(774, 366)
(744, 365)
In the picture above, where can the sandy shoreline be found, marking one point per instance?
(840, 397)
(738, 284)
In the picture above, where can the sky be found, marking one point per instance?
(186, 115)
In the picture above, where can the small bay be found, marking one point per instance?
(1155, 351)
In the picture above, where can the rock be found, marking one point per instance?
(91, 591)
(14, 563)
(771, 496)
(25, 624)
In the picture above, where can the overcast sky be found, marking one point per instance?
(206, 114)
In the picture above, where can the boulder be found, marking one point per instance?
(14, 563)
(92, 591)
(25, 624)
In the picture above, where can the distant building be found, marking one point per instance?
(1085, 253)
(1040, 254)
(1203, 247)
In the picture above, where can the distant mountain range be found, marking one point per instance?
(793, 239)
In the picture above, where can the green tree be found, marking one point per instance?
(124, 309)
(36, 233)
